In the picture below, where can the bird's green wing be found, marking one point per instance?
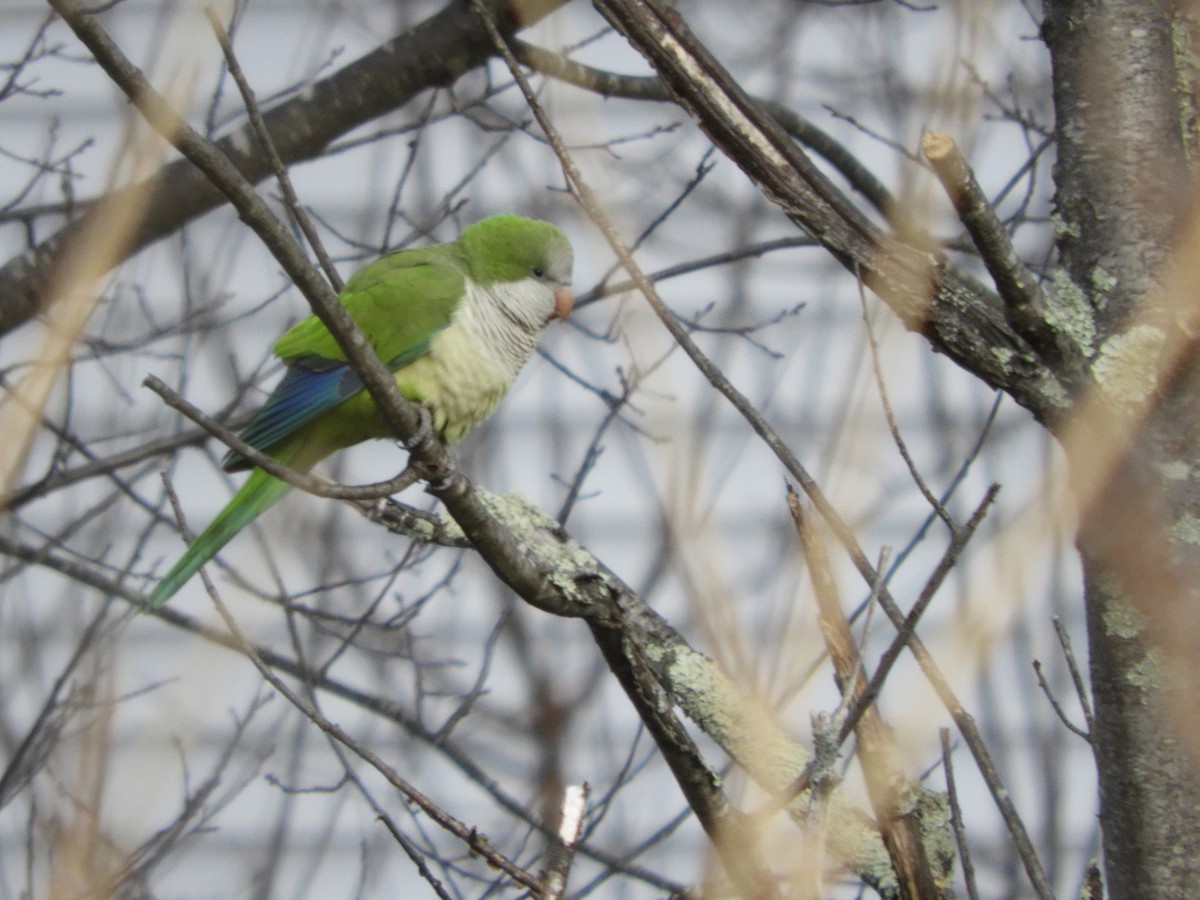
(399, 301)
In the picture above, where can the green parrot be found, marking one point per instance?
(455, 323)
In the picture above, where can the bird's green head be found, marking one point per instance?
(510, 248)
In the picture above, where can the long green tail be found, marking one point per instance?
(260, 492)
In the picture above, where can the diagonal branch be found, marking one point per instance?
(788, 178)
(887, 785)
(403, 415)
(435, 53)
(302, 219)
(1024, 303)
(305, 481)
(512, 562)
(651, 88)
(915, 282)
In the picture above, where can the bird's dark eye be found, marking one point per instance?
(539, 272)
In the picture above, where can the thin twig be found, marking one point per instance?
(1081, 691)
(414, 854)
(1054, 704)
(651, 87)
(268, 147)
(956, 820)
(59, 479)
(32, 753)
(602, 291)
(886, 785)
(309, 483)
(889, 414)
(907, 632)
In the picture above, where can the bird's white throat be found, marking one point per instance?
(506, 318)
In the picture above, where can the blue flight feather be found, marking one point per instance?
(311, 386)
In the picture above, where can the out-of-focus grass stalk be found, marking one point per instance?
(86, 858)
(75, 288)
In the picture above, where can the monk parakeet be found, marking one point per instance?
(455, 322)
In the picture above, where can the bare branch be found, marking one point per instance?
(633, 87)
(1024, 304)
(268, 147)
(881, 385)
(1058, 710)
(1081, 690)
(311, 484)
(434, 53)
(887, 785)
(960, 831)
(1076, 679)
(914, 281)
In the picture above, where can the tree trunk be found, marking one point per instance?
(1122, 190)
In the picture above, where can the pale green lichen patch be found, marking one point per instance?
(741, 726)
(1126, 368)
(1068, 311)
(1174, 470)
(1055, 394)
(540, 538)
(937, 835)
(1150, 672)
(1004, 355)
(528, 524)
(1102, 280)
(451, 529)
(1063, 228)
(1186, 530)
(427, 531)
(513, 511)
(746, 729)
(1122, 620)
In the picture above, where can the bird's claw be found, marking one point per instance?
(424, 430)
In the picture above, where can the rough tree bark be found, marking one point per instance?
(1123, 193)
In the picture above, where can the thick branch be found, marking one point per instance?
(915, 282)
(435, 53)
(733, 834)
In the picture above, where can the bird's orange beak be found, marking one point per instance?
(564, 302)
